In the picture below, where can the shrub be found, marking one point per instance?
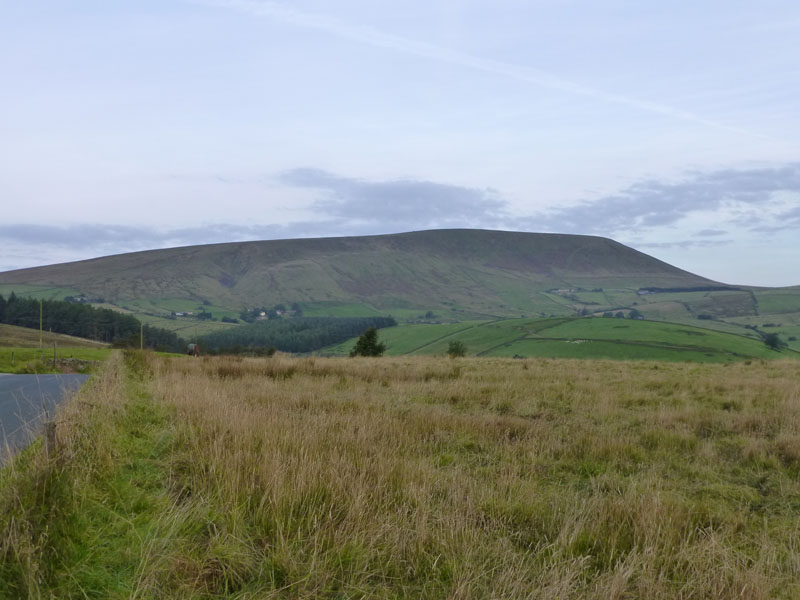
(456, 348)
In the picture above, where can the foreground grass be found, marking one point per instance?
(416, 478)
(83, 523)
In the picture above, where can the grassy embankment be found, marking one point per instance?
(413, 477)
(20, 352)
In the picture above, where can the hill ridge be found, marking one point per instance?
(479, 270)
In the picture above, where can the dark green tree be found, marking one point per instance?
(773, 341)
(368, 344)
(456, 348)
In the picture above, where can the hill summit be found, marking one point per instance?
(482, 271)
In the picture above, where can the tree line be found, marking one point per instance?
(83, 320)
(303, 334)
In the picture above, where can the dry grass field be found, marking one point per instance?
(413, 478)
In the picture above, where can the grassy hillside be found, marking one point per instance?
(416, 477)
(575, 338)
(23, 337)
(20, 351)
(474, 271)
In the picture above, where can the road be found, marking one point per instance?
(23, 402)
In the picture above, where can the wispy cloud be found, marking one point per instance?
(403, 203)
(710, 233)
(786, 220)
(380, 39)
(653, 203)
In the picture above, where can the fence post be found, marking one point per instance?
(50, 439)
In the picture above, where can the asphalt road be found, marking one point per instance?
(23, 402)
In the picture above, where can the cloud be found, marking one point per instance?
(783, 221)
(744, 197)
(710, 233)
(758, 201)
(345, 206)
(652, 203)
(376, 38)
(404, 203)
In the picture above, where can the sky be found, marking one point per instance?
(672, 127)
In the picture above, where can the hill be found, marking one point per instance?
(458, 272)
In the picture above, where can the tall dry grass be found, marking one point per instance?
(433, 478)
(42, 496)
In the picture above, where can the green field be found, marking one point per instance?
(20, 351)
(42, 292)
(187, 328)
(600, 349)
(405, 339)
(575, 338)
(167, 306)
(40, 360)
(483, 338)
(777, 302)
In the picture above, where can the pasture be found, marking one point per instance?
(40, 360)
(20, 351)
(626, 339)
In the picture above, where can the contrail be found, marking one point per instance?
(381, 39)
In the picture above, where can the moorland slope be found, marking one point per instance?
(478, 271)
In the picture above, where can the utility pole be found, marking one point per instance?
(141, 336)
(40, 322)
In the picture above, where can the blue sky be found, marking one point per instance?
(671, 127)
